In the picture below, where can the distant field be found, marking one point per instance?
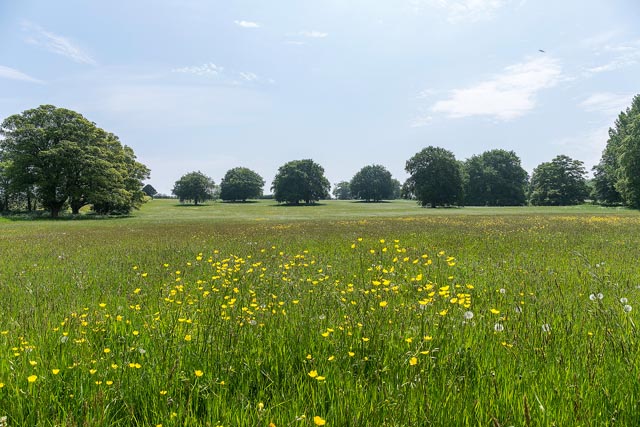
(348, 314)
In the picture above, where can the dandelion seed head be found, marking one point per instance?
(623, 300)
(468, 315)
(627, 308)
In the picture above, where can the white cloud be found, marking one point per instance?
(586, 146)
(464, 10)
(209, 69)
(314, 34)
(56, 44)
(607, 103)
(13, 74)
(246, 24)
(295, 42)
(249, 76)
(421, 121)
(507, 95)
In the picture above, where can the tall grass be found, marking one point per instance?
(444, 319)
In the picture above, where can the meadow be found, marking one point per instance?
(341, 314)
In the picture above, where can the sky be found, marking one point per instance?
(211, 85)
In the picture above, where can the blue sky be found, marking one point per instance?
(210, 85)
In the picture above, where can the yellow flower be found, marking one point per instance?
(55, 371)
(109, 382)
(331, 358)
(383, 303)
(102, 305)
(320, 378)
(163, 392)
(32, 378)
(107, 350)
(93, 371)
(413, 361)
(319, 421)
(187, 337)
(313, 374)
(351, 354)
(494, 311)
(198, 373)
(1, 385)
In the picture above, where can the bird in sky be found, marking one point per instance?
(540, 50)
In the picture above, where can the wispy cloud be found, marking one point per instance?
(313, 34)
(13, 74)
(464, 10)
(246, 24)
(421, 121)
(249, 76)
(208, 69)
(506, 96)
(55, 43)
(610, 104)
(621, 56)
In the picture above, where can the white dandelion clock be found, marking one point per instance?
(627, 308)
(468, 315)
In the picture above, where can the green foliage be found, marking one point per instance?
(617, 176)
(300, 180)
(435, 177)
(342, 191)
(495, 178)
(560, 182)
(61, 158)
(194, 187)
(372, 183)
(241, 184)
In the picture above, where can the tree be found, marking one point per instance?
(617, 176)
(61, 158)
(194, 186)
(495, 178)
(560, 182)
(341, 191)
(241, 184)
(372, 183)
(300, 180)
(149, 190)
(435, 177)
(397, 189)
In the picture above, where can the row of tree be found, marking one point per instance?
(54, 158)
(493, 178)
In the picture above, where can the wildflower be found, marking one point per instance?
(319, 421)
(503, 291)
(468, 315)
(163, 392)
(592, 297)
(413, 361)
(313, 373)
(627, 308)
(55, 371)
(198, 373)
(109, 382)
(624, 300)
(494, 311)
(351, 354)
(107, 350)
(187, 337)
(498, 327)
(383, 304)
(32, 378)
(599, 295)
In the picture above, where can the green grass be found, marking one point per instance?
(258, 297)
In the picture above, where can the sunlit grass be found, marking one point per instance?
(377, 318)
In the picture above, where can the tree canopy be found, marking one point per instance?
(149, 190)
(342, 191)
(240, 184)
(194, 187)
(372, 183)
(617, 175)
(58, 158)
(495, 178)
(559, 182)
(435, 177)
(300, 180)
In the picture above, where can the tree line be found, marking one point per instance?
(53, 158)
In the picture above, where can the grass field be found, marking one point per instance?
(342, 314)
